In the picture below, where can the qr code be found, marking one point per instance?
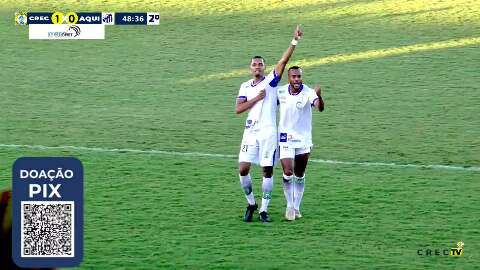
(47, 229)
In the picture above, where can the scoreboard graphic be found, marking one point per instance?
(79, 25)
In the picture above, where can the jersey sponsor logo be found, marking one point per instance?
(284, 137)
(293, 140)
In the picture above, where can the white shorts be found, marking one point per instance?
(290, 152)
(261, 151)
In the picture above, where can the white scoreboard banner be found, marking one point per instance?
(66, 31)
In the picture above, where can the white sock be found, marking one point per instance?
(267, 187)
(246, 183)
(288, 189)
(299, 187)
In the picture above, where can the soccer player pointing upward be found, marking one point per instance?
(259, 142)
(295, 140)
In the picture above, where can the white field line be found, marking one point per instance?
(199, 154)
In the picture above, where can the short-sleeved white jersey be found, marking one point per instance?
(262, 117)
(295, 125)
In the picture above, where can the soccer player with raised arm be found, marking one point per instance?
(259, 142)
(296, 101)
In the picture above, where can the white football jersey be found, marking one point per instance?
(295, 125)
(263, 115)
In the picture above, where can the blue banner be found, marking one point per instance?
(47, 201)
(89, 18)
(129, 18)
(39, 17)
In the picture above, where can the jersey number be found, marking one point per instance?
(244, 148)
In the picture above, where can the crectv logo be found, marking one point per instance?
(72, 31)
(458, 251)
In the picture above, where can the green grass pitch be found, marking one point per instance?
(401, 85)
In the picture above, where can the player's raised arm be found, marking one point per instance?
(243, 104)
(280, 66)
(318, 103)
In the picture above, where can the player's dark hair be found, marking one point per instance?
(294, 67)
(257, 57)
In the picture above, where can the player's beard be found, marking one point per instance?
(257, 74)
(296, 86)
